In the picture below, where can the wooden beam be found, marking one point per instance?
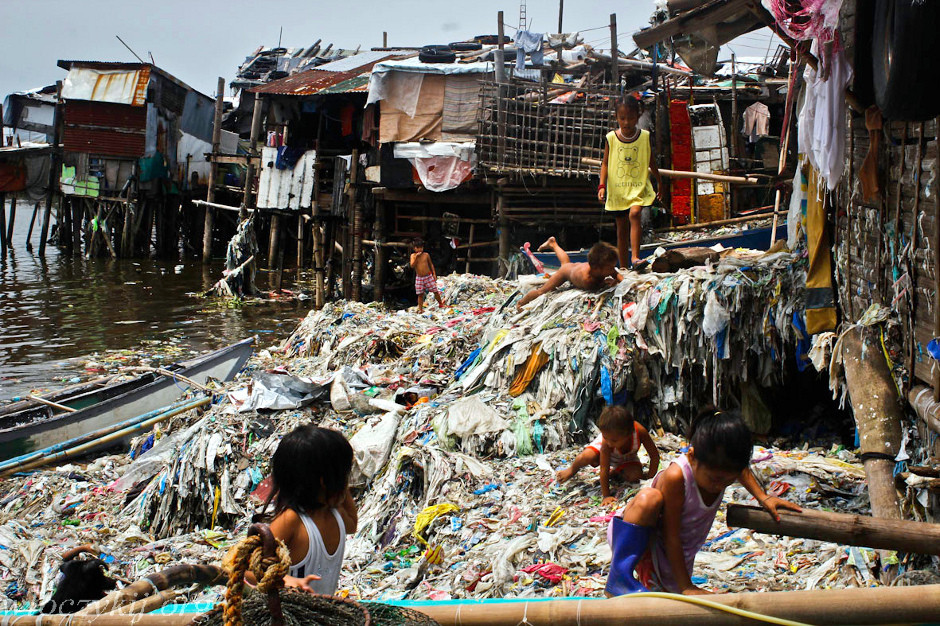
(690, 21)
(401, 195)
(853, 530)
(208, 224)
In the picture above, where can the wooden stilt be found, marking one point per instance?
(11, 221)
(213, 172)
(356, 232)
(466, 267)
(32, 222)
(274, 239)
(53, 172)
(3, 225)
(301, 238)
(280, 259)
(78, 214)
(247, 198)
(381, 253)
(503, 236)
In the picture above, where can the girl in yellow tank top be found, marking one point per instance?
(625, 177)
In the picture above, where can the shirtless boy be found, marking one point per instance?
(425, 275)
(599, 271)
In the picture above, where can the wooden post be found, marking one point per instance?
(3, 224)
(877, 416)
(300, 242)
(561, 14)
(381, 253)
(128, 233)
(466, 267)
(253, 157)
(614, 58)
(53, 167)
(354, 253)
(853, 530)
(274, 239)
(385, 39)
(500, 93)
(78, 215)
(32, 222)
(11, 221)
(503, 235)
(936, 272)
(213, 171)
(735, 139)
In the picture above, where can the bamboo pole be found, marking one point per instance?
(213, 172)
(54, 405)
(381, 253)
(250, 172)
(853, 530)
(729, 221)
(748, 180)
(146, 605)
(3, 224)
(782, 162)
(880, 605)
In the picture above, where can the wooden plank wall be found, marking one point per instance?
(878, 261)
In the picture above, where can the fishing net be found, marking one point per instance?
(270, 603)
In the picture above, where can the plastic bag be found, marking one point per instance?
(372, 445)
(716, 316)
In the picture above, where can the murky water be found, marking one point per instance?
(54, 311)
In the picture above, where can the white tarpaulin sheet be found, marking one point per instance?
(288, 188)
(118, 86)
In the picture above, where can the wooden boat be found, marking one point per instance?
(753, 238)
(28, 426)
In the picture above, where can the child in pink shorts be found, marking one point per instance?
(615, 450)
(425, 275)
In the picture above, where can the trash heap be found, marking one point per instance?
(454, 474)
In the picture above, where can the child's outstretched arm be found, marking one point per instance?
(771, 503)
(603, 184)
(651, 450)
(606, 498)
(654, 170)
(672, 485)
(555, 280)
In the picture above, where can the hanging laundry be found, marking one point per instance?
(528, 43)
(756, 121)
(821, 119)
(820, 298)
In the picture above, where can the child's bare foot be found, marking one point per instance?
(548, 245)
(564, 474)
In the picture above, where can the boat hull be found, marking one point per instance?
(161, 391)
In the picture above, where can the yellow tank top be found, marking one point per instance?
(628, 174)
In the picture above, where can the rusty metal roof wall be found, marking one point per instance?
(314, 81)
(104, 128)
(67, 64)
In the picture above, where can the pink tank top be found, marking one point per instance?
(697, 519)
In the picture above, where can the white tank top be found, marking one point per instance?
(317, 560)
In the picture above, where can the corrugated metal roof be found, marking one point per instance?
(357, 84)
(356, 61)
(316, 80)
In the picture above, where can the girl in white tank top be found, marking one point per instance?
(313, 506)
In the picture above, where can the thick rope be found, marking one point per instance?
(246, 556)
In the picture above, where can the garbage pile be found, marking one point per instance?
(457, 431)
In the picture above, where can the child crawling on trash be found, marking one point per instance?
(664, 526)
(615, 451)
(599, 271)
(313, 507)
(425, 275)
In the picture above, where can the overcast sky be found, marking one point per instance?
(199, 40)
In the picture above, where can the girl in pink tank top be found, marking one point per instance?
(665, 525)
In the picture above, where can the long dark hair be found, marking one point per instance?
(309, 469)
(721, 439)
